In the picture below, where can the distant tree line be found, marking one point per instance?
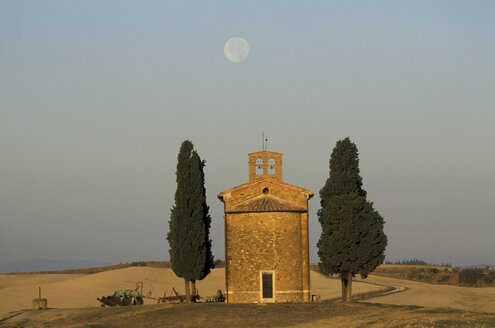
(441, 276)
(415, 261)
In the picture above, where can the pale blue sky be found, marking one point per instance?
(96, 97)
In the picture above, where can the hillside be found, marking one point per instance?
(433, 274)
(47, 265)
(96, 269)
(72, 302)
(438, 275)
(81, 290)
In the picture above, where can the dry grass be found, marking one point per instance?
(428, 295)
(81, 290)
(72, 298)
(324, 314)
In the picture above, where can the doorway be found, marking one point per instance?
(267, 286)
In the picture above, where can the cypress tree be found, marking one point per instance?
(207, 264)
(189, 225)
(352, 239)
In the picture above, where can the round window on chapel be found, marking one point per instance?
(265, 190)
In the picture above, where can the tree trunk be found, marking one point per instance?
(346, 280)
(344, 289)
(194, 291)
(188, 291)
(349, 287)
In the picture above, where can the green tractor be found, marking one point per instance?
(124, 297)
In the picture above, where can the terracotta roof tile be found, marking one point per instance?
(266, 203)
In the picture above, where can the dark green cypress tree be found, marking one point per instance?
(189, 225)
(352, 239)
(206, 264)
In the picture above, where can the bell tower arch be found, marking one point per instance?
(265, 165)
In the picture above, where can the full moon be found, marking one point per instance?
(236, 49)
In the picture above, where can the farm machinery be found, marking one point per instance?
(124, 297)
(219, 297)
(174, 297)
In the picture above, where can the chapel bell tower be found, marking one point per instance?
(265, 165)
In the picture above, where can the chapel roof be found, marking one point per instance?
(280, 184)
(266, 203)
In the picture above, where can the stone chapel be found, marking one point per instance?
(266, 236)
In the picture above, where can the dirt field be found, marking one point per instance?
(81, 290)
(72, 299)
(423, 294)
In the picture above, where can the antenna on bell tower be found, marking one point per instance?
(264, 142)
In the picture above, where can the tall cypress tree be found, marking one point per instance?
(189, 225)
(205, 266)
(352, 239)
